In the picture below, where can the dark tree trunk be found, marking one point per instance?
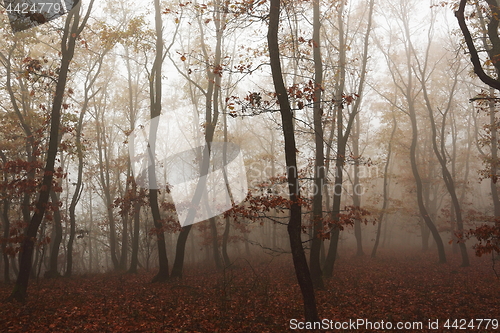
(319, 172)
(155, 90)
(71, 33)
(295, 222)
(56, 241)
(5, 225)
(76, 197)
(341, 149)
(6, 235)
(180, 251)
(215, 243)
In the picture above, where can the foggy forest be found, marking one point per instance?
(249, 166)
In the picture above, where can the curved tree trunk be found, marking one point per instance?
(156, 90)
(295, 222)
(211, 118)
(441, 156)
(71, 32)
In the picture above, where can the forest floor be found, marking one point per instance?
(262, 296)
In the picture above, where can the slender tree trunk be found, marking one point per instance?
(5, 224)
(227, 225)
(215, 243)
(156, 90)
(319, 171)
(341, 152)
(494, 157)
(295, 222)
(211, 118)
(356, 196)
(385, 189)
(91, 218)
(70, 34)
(106, 187)
(134, 261)
(441, 156)
(78, 191)
(343, 135)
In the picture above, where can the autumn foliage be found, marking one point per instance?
(256, 296)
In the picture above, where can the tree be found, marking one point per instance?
(295, 221)
(440, 151)
(72, 30)
(214, 72)
(493, 42)
(319, 170)
(155, 89)
(490, 44)
(404, 80)
(343, 101)
(385, 188)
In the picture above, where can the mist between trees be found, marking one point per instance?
(259, 171)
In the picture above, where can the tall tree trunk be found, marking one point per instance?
(134, 261)
(414, 167)
(104, 170)
(295, 222)
(5, 223)
(227, 224)
(343, 135)
(341, 150)
(418, 181)
(211, 117)
(91, 218)
(6, 235)
(356, 196)
(493, 127)
(385, 189)
(78, 189)
(441, 156)
(319, 171)
(155, 90)
(71, 32)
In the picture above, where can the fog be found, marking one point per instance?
(191, 138)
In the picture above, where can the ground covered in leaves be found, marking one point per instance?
(259, 296)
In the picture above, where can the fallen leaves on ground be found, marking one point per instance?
(257, 296)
